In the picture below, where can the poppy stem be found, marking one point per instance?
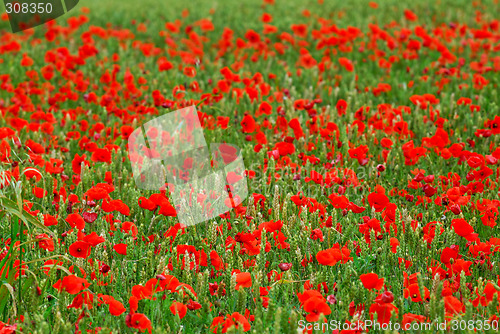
(20, 264)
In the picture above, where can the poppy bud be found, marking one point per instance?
(104, 269)
(309, 106)
(429, 190)
(470, 176)
(296, 177)
(91, 203)
(274, 153)
(312, 113)
(409, 198)
(380, 168)
(248, 138)
(363, 161)
(387, 297)
(419, 177)
(341, 190)
(429, 179)
(331, 299)
(455, 209)
(89, 217)
(160, 277)
(128, 319)
(285, 266)
(344, 212)
(491, 160)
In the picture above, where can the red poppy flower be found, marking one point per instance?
(464, 229)
(178, 309)
(101, 155)
(116, 308)
(49, 220)
(216, 260)
(45, 242)
(394, 245)
(453, 306)
(378, 201)
(138, 321)
(147, 204)
(384, 311)
(26, 61)
(410, 16)
(80, 249)
(167, 210)
(115, 205)
(71, 284)
(346, 63)
(75, 220)
(77, 161)
(248, 124)
(39, 192)
(331, 256)
(236, 320)
(252, 36)
(243, 280)
(413, 292)
(372, 281)
(315, 307)
(89, 217)
(96, 193)
(386, 143)
(93, 239)
(264, 109)
(121, 249)
(341, 107)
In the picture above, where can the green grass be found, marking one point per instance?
(48, 311)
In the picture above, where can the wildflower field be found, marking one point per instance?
(370, 132)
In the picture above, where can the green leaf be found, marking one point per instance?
(11, 207)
